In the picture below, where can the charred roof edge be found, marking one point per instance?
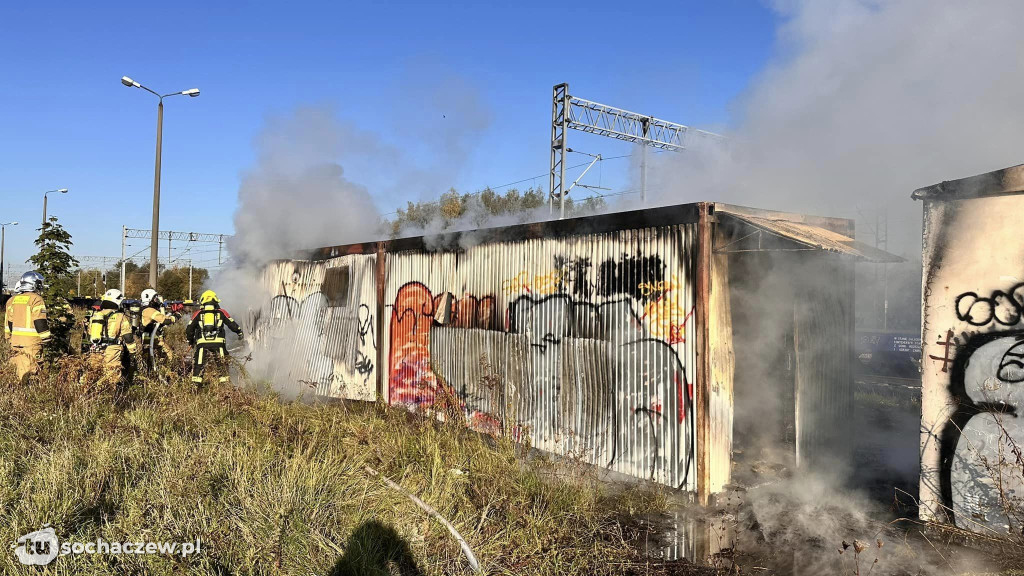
(581, 225)
(996, 183)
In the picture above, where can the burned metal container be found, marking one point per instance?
(638, 342)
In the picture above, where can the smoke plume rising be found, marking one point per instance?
(863, 102)
(302, 194)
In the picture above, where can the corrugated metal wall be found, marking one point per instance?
(823, 334)
(317, 332)
(584, 344)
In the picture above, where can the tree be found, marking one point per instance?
(455, 211)
(94, 282)
(55, 262)
(173, 282)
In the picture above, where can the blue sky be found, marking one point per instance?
(66, 121)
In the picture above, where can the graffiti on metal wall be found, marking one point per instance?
(324, 341)
(582, 376)
(411, 381)
(629, 274)
(1001, 307)
(645, 373)
(981, 481)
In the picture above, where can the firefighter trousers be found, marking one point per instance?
(207, 354)
(26, 359)
(112, 361)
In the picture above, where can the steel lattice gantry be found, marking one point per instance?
(169, 235)
(570, 112)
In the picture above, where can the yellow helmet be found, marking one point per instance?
(209, 297)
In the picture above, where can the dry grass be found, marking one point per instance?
(277, 487)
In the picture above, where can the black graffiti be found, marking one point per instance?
(366, 327)
(654, 435)
(575, 271)
(363, 366)
(627, 274)
(1009, 369)
(313, 336)
(1002, 307)
(637, 358)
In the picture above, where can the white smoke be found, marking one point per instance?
(301, 194)
(863, 102)
(298, 197)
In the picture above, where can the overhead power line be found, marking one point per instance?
(569, 112)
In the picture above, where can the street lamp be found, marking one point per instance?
(60, 191)
(3, 239)
(154, 246)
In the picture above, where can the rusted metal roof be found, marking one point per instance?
(997, 183)
(796, 236)
(797, 231)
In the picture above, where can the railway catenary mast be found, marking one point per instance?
(570, 112)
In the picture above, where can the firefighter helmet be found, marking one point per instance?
(149, 295)
(209, 297)
(113, 296)
(30, 282)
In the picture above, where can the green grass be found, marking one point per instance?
(274, 487)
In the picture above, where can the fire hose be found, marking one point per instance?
(470, 558)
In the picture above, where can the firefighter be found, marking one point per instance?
(110, 336)
(25, 325)
(206, 334)
(155, 315)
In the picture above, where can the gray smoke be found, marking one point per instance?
(298, 195)
(312, 181)
(863, 102)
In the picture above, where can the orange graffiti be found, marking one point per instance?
(659, 287)
(666, 319)
(411, 380)
(547, 283)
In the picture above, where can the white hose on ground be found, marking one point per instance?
(432, 513)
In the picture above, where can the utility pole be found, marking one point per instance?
(3, 241)
(124, 236)
(643, 163)
(220, 249)
(154, 243)
(884, 245)
(154, 246)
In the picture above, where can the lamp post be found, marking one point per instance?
(60, 191)
(154, 245)
(3, 240)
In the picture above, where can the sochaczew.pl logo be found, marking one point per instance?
(42, 547)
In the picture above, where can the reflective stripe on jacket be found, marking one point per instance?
(25, 319)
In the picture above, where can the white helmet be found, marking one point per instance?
(149, 295)
(114, 296)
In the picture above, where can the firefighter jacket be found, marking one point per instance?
(153, 317)
(25, 320)
(111, 328)
(208, 324)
